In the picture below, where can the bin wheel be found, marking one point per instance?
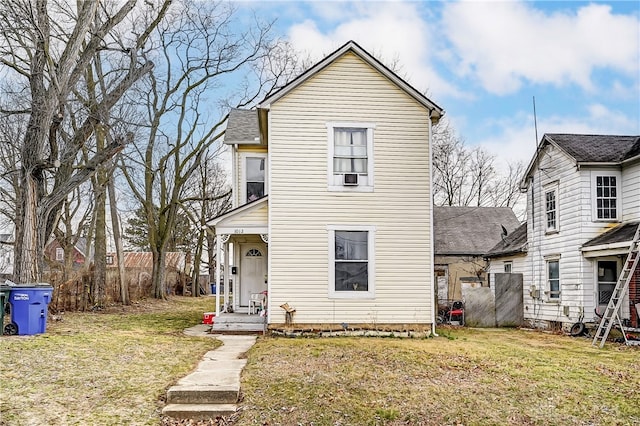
(11, 329)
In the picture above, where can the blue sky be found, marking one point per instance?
(484, 61)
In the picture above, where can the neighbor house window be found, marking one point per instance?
(551, 210)
(351, 261)
(255, 178)
(59, 254)
(507, 267)
(350, 153)
(109, 259)
(553, 279)
(606, 197)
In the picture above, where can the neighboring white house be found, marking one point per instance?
(332, 197)
(6, 255)
(583, 206)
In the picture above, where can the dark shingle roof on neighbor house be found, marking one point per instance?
(470, 231)
(515, 242)
(242, 127)
(620, 234)
(597, 148)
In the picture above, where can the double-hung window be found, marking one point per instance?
(606, 202)
(553, 279)
(351, 265)
(551, 208)
(59, 254)
(255, 178)
(351, 155)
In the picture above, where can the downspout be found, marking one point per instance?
(431, 236)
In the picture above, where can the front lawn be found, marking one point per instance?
(464, 377)
(110, 368)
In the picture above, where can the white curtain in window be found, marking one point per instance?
(350, 151)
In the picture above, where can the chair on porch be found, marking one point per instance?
(256, 302)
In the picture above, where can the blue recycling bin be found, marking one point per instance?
(29, 309)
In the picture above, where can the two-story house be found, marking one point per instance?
(332, 198)
(583, 207)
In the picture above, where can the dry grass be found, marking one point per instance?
(465, 377)
(108, 368)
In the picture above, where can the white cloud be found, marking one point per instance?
(392, 31)
(505, 44)
(514, 137)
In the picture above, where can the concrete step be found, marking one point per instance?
(198, 411)
(240, 327)
(195, 394)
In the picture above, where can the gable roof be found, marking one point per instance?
(238, 210)
(470, 231)
(242, 127)
(436, 112)
(589, 149)
(514, 243)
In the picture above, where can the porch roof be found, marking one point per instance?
(248, 218)
(513, 243)
(619, 235)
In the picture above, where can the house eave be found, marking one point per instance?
(610, 249)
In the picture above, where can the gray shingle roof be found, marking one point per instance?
(515, 242)
(597, 148)
(621, 233)
(242, 127)
(470, 230)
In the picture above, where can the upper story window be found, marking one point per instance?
(508, 266)
(606, 201)
(350, 162)
(551, 209)
(351, 264)
(255, 178)
(59, 254)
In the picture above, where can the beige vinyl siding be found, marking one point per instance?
(242, 152)
(301, 207)
(252, 217)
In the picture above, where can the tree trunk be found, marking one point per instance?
(117, 236)
(158, 278)
(100, 254)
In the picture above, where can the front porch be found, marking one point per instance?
(242, 261)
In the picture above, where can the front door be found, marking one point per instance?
(607, 279)
(253, 271)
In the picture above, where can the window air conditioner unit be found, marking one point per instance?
(350, 179)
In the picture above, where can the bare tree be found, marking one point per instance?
(46, 48)
(466, 176)
(203, 63)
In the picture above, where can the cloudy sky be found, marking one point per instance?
(484, 61)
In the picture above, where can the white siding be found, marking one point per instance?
(242, 152)
(301, 207)
(555, 166)
(631, 192)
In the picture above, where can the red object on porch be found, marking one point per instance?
(207, 317)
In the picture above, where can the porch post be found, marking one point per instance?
(226, 273)
(218, 258)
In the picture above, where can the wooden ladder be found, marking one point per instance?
(612, 313)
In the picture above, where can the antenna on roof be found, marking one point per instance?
(535, 120)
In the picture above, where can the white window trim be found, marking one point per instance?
(59, 254)
(547, 259)
(505, 264)
(553, 187)
(334, 182)
(371, 240)
(243, 178)
(594, 204)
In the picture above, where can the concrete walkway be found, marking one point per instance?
(212, 390)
